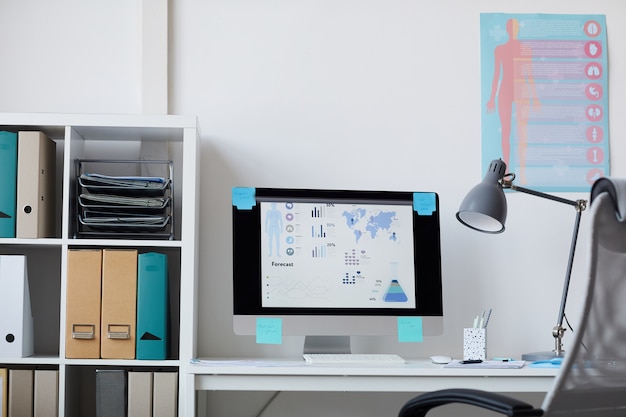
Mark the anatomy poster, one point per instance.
(545, 98)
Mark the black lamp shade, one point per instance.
(484, 207)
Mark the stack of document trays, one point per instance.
(124, 206)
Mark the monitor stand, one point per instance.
(326, 344)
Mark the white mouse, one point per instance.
(440, 359)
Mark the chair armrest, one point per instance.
(420, 405)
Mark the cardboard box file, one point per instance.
(4, 391)
(46, 393)
(20, 396)
(140, 394)
(82, 332)
(119, 302)
(165, 394)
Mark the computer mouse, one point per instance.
(441, 359)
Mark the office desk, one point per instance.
(415, 376)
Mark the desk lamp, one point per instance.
(484, 209)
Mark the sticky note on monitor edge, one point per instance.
(424, 204)
(269, 330)
(244, 198)
(410, 329)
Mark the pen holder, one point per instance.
(474, 343)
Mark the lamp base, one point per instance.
(542, 356)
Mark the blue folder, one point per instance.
(8, 183)
(152, 306)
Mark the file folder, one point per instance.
(82, 331)
(152, 303)
(20, 392)
(165, 394)
(36, 173)
(8, 182)
(4, 391)
(111, 392)
(119, 304)
(139, 394)
(16, 319)
(46, 393)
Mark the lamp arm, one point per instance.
(568, 273)
(577, 203)
(580, 206)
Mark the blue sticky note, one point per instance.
(269, 330)
(244, 197)
(410, 329)
(424, 204)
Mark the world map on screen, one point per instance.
(371, 222)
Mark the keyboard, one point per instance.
(353, 358)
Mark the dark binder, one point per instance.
(111, 393)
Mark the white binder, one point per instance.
(16, 319)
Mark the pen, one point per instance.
(487, 318)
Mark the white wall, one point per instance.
(70, 56)
(358, 94)
(374, 95)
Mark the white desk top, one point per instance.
(414, 376)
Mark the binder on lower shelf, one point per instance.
(20, 392)
(82, 332)
(152, 301)
(119, 304)
(111, 392)
(16, 319)
(8, 184)
(139, 394)
(4, 391)
(46, 393)
(165, 394)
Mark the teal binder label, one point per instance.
(410, 329)
(424, 204)
(244, 197)
(269, 331)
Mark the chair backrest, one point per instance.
(592, 381)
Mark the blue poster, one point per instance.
(545, 98)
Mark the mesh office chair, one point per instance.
(592, 378)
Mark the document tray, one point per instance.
(124, 185)
(113, 201)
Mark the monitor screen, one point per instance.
(336, 262)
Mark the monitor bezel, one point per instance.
(246, 222)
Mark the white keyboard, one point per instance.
(353, 358)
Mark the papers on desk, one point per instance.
(550, 363)
(487, 365)
(245, 362)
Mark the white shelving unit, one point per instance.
(110, 137)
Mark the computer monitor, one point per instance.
(336, 262)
